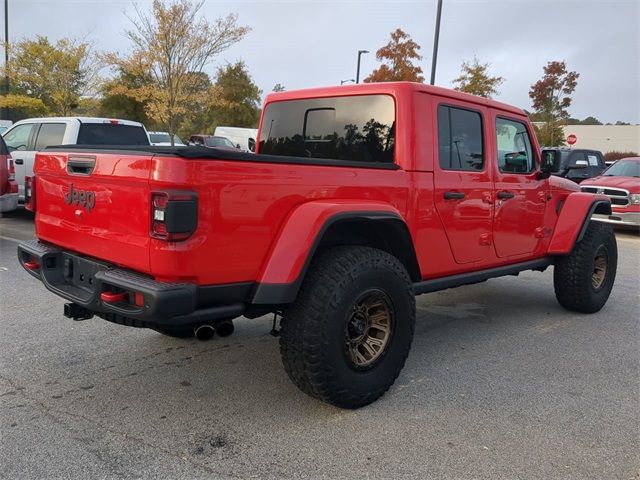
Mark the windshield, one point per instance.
(219, 142)
(624, 168)
(163, 137)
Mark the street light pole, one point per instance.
(435, 43)
(360, 52)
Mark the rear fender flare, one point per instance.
(282, 273)
(573, 220)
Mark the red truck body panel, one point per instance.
(258, 216)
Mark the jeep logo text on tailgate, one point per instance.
(82, 198)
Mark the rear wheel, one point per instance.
(583, 279)
(348, 334)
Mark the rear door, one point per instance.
(96, 204)
(463, 183)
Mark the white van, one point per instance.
(244, 138)
(26, 137)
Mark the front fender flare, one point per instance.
(574, 218)
(280, 276)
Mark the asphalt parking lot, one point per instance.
(501, 382)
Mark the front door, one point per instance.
(463, 185)
(520, 198)
(19, 140)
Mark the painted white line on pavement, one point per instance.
(11, 239)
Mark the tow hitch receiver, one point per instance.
(77, 312)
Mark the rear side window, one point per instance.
(50, 134)
(111, 134)
(515, 154)
(356, 129)
(460, 139)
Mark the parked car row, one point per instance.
(21, 141)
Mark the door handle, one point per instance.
(504, 195)
(454, 195)
(18, 161)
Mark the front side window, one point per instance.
(460, 139)
(358, 128)
(515, 154)
(17, 139)
(50, 134)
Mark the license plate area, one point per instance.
(80, 272)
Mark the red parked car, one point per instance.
(621, 183)
(357, 199)
(8, 185)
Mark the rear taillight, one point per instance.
(174, 215)
(12, 169)
(30, 193)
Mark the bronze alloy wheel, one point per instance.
(369, 328)
(599, 269)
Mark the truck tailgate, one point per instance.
(96, 204)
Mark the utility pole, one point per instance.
(435, 43)
(360, 52)
(5, 113)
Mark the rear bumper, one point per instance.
(629, 219)
(82, 281)
(8, 202)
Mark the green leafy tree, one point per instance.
(475, 79)
(551, 97)
(398, 57)
(170, 46)
(57, 75)
(237, 97)
(116, 104)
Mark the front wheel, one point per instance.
(347, 336)
(583, 279)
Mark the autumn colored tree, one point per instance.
(551, 96)
(475, 79)
(237, 98)
(120, 105)
(170, 45)
(397, 57)
(49, 78)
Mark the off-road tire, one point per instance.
(314, 328)
(575, 276)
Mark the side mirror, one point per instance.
(550, 161)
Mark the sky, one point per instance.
(307, 43)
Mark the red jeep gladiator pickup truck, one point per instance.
(357, 199)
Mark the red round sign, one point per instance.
(571, 139)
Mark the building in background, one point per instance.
(606, 138)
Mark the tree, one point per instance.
(278, 88)
(590, 121)
(116, 104)
(22, 106)
(57, 75)
(551, 96)
(171, 47)
(397, 57)
(475, 79)
(237, 99)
